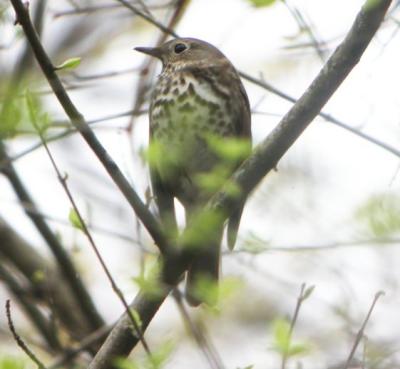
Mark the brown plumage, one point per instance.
(198, 102)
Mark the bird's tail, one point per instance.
(233, 225)
(203, 273)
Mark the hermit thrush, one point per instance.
(198, 106)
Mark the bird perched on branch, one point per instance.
(199, 134)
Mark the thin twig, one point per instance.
(316, 248)
(303, 26)
(148, 18)
(302, 296)
(85, 229)
(362, 329)
(212, 357)
(19, 340)
(93, 9)
(116, 73)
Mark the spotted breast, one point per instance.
(185, 112)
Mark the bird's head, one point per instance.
(184, 51)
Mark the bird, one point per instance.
(200, 132)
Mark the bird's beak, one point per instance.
(152, 51)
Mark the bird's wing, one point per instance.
(165, 203)
(163, 196)
(243, 130)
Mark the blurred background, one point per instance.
(329, 216)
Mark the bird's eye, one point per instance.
(179, 48)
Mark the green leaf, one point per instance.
(10, 362)
(71, 63)
(208, 290)
(32, 107)
(156, 360)
(12, 117)
(168, 159)
(298, 349)
(149, 281)
(281, 328)
(282, 340)
(123, 363)
(229, 287)
(75, 220)
(203, 229)
(39, 119)
(381, 214)
(254, 244)
(136, 317)
(232, 150)
(308, 292)
(38, 276)
(211, 182)
(261, 3)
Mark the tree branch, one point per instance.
(360, 333)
